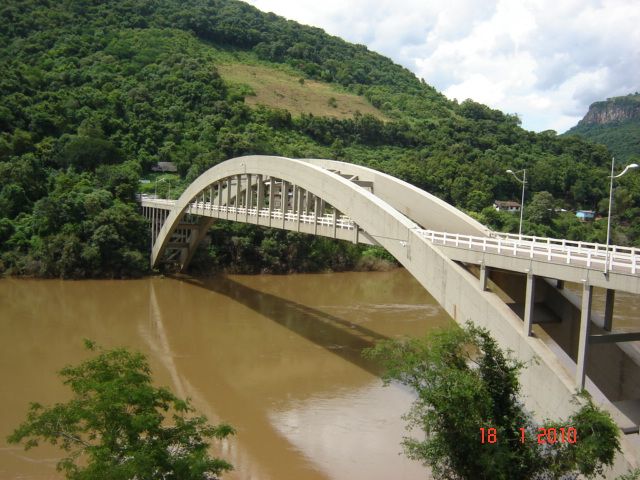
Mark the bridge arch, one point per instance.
(393, 214)
(376, 219)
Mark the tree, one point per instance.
(542, 208)
(464, 383)
(116, 426)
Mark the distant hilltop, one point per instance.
(613, 110)
(614, 122)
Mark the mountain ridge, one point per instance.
(614, 122)
(95, 93)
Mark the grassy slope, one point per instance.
(278, 89)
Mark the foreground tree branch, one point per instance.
(124, 426)
(467, 389)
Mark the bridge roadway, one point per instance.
(569, 260)
(503, 282)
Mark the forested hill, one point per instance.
(94, 93)
(615, 123)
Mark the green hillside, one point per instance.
(93, 93)
(614, 123)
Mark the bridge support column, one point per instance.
(484, 277)
(335, 221)
(154, 228)
(271, 197)
(294, 198)
(228, 196)
(195, 238)
(248, 198)
(284, 201)
(608, 309)
(316, 206)
(237, 199)
(583, 339)
(529, 303)
(299, 202)
(259, 197)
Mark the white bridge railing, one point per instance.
(341, 221)
(559, 251)
(581, 254)
(596, 247)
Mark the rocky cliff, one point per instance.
(613, 110)
(615, 123)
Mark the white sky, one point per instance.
(545, 60)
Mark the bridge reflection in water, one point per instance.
(512, 285)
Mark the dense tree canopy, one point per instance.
(94, 93)
(466, 389)
(119, 426)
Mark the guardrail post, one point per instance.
(529, 303)
(583, 341)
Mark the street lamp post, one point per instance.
(523, 182)
(611, 177)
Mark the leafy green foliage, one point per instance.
(105, 90)
(465, 382)
(116, 426)
(243, 248)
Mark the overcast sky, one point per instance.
(545, 60)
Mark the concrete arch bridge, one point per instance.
(513, 285)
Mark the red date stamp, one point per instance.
(545, 436)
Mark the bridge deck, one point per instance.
(561, 259)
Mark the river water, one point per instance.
(278, 357)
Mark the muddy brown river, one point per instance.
(278, 357)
